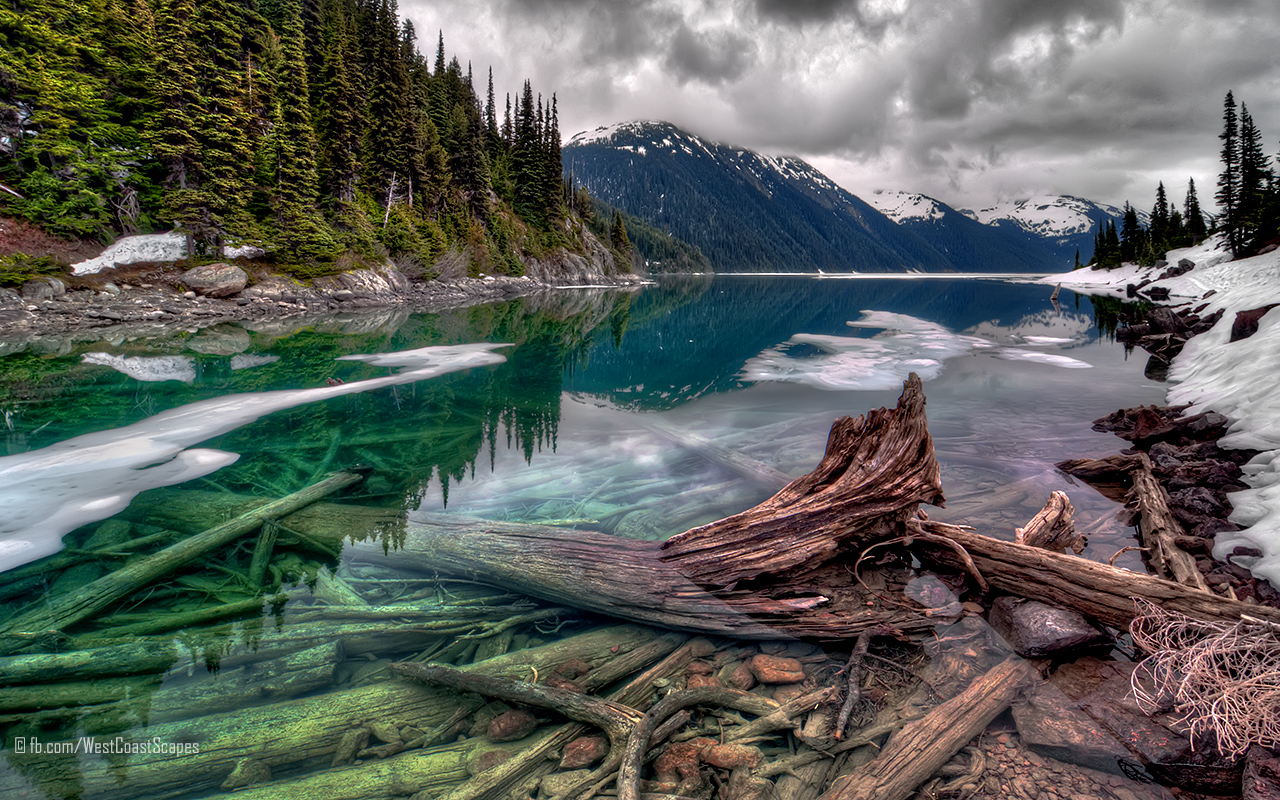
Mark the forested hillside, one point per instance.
(313, 128)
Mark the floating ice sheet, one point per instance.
(46, 493)
(882, 362)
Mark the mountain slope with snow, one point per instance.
(1064, 222)
(748, 212)
(968, 243)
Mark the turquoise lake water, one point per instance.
(567, 422)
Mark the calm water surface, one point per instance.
(575, 421)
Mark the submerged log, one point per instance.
(98, 595)
(293, 735)
(921, 747)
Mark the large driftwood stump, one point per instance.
(876, 471)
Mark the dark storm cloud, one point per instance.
(711, 57)
(969, 96)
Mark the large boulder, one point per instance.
(1036, 629)
(215, 280)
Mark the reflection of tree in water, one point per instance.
(437, 427)
(1109, 313)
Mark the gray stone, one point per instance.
(1186, 262)
(1050, 724)
(215, 280)
(247, 772)
(220, 340)
(1035, 629)
(38, 290)
(558, 783)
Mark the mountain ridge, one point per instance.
(749, 211)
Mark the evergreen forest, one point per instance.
(1248, 199)
(315, 129)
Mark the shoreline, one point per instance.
(139, 299)
(1211, 329)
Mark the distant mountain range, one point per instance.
(749, 212)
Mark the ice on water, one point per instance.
(882, 362)
(46, 493)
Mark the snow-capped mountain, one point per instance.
(1067, 223)
(970, 245)
(745, 210)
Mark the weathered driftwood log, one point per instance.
(1052, 528)
(1160, 529)
(295, 735)
(921, 747)
(98, 595)
(129, 658)
(1103, 592)
(876, 471)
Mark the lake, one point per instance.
(580, 418)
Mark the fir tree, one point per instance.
(1196, 228)
(1160, 229)
(338, 119)
(1228, 195)
(300, 230)
(1131, 238)
(1256, 178)
(618, 234)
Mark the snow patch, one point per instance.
(148, 368)
(46, 493)
(900, 206)
(882, 362)
(134, 249)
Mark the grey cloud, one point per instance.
(711, 57)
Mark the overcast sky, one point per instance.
(964, 100)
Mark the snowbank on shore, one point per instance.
(1238, 379)
(133, 249)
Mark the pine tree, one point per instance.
(1131, 238)
(1228, 195)
(618, 234)
(385, 154)
(1256, 178)
(339, 122)
(300, 230)
(1159, 228)
(553, 166)
(1196, 228)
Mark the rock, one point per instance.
(38, 290)
(1112, 704)
(776, 669)
(558, 681)
(787, 691)
(485, 760)
(111, 289)
(557, 783)
(511, 725)
(741, 678)
(215, 280)
(247, 772)
(1033, 628)
(224, 339)
(1186, 263)
(584, 751)
(1050, 724)
(731, 756)
(699, 668)
(343, 295)
(1197, 500)
(1244, 326)
(352, 742)
(386, 732)
(1261, 775)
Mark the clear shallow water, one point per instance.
(561, 431)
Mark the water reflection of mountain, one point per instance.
(667, 359)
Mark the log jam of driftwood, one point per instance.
(101, 593)
(917, 750)
(876, 471)
(1097, 590)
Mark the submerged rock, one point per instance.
(1033, 628)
